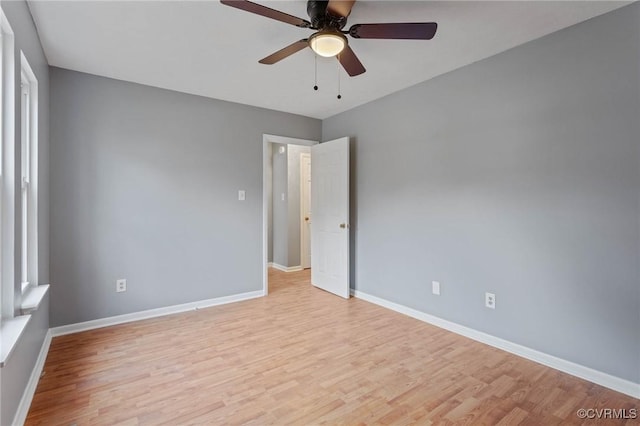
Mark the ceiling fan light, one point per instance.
(327, 44)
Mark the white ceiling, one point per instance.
(212, 50)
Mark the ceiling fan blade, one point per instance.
(340, 7)
(411, 31)
(350, 62)
(258, 9)
(283, 53)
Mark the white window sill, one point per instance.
(12, 328)
(10, 332)
(32, 297)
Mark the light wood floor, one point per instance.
(300, 356)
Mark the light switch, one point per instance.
(241, 195)
(282, 196)
(435, 287)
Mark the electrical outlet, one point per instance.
(435, 287)
(242, 195)
(121, 285)
(490, 300)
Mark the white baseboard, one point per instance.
(152, 313)
(32, 384)
(612, 382)
(286, 268)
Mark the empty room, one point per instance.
(319, 212)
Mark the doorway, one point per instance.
(275, 197)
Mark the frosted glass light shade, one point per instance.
(327, 44)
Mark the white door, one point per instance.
(330, 207)
(305, 210)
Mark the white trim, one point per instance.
(10, 331)
(32, 298)
(284, 140)
(32, 384)
(8, 286)
(152, 313)
(266, 184)
(612, 382)
(286, 268)
(29, 172)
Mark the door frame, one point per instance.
(303, 225)
(267, 140)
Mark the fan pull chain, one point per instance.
(339, 95)
(315, 57)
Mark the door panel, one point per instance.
(330, 207)
(305, 204)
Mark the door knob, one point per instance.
(344, 225)
(306, 218)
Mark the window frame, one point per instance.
(9, 297)
(2, 119)
(28, 174)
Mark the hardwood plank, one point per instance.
(300, 356)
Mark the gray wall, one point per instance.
(269, 190)
(144, 186)
(516, 175)
(16, 373)
(280, 221)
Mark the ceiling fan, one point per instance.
(328, 18)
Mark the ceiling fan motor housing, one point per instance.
(321, 19)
